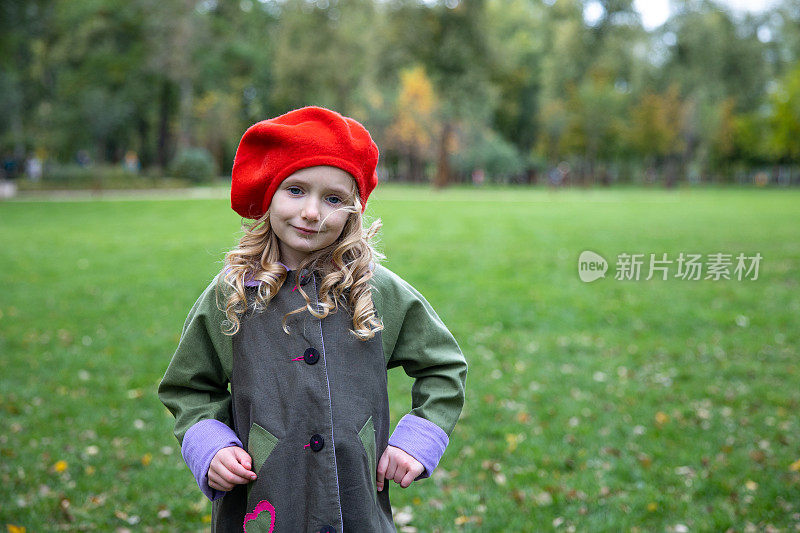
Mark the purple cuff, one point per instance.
(421, 439)
(200, 444)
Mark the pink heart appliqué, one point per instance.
(260, 518)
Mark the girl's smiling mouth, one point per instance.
(305, 231)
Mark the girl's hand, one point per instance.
(398, 465)
(230, 466)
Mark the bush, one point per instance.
(82, 176)
(72, 176)
(499, 158)
(194, 164)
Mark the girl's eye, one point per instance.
(294, 190)
(335, 200)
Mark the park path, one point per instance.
(121, 194)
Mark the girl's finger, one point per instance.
(381, 473)
(408, 479)
(243, 457)
(391, 468)
(235, 467)
(216, 482)
(232, 478)
(223, 475)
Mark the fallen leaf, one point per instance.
(404, 516)
(64, 504)
(758, 456)
(134, 394)
(610, 450)
(543, 499)
(645, 460)
(512, 439)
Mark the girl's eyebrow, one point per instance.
(339, 191)
(302, 182)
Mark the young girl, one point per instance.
(302, 323)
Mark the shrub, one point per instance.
(499, 158)
(194, 164)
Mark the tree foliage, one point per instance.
(508, 86)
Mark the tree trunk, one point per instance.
(443, 166)
(162, 150)
(17, 127)
(415, 167)
(185, 136)
(145, 156)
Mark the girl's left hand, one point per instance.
(398, 465)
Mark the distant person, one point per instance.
(131, 162)
(478, 177)
(33, 168)
(303, 323)
(564, 170)
(82, 158)
(554, 177)
(10, 166)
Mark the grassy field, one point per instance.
(606, 406)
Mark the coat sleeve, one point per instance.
(195, 387)
(415, 338)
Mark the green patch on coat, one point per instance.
(367, 436)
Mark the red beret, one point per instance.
(273, 149)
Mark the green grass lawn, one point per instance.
(605, 406)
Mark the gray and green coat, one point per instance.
(310, 406)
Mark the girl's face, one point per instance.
(306, 212)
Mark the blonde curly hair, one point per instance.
(345, 267)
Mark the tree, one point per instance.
(656, 125)
(785, 117)
(457, 56)
(414, 123)
(325, 55)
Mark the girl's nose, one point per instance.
(310, 209)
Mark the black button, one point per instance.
(327, 529)
(316, 442)
(311, 356)
(304, 276)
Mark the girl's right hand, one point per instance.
(230, 466)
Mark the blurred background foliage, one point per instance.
(501, 90)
